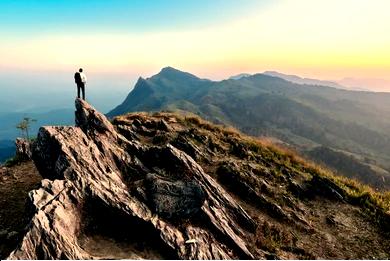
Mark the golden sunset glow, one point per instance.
(324, 39)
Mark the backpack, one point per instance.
(77, 77)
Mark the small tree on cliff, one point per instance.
(24, 126)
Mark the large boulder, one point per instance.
(174, 199)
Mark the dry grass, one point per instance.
(15, 183)
(357, 192)
(272, 236)
(221, 129)
(130, 116)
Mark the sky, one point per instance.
(324, 39)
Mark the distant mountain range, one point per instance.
(346, 83)
(378, 85)
(307, 81)
(321, 122)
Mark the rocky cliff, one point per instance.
(165, 186)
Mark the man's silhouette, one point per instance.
(80, 80)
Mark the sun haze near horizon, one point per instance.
(214, 39)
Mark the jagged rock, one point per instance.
(331, 220)
(93, 165)
(326, 188)
(23, 149)
(187, 146)
(174, 199)
(163, 125)
(191, 241)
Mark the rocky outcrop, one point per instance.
(165, 186)
(156, 188)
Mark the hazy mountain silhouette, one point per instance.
(378, 85)
(300, 80)
(10, 120)
(351, 122)
(342, 84)
(239, 76)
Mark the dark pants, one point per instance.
(82, 87)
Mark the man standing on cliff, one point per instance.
(81, 80)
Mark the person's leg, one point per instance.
(78, 91)
(83, 89)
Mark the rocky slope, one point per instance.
(15, 183)
(164, 186)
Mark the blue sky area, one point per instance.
(47, 16)
(43, 42)
(23, 21)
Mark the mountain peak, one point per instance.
(239, 76)
(170, 72)
(169, 69)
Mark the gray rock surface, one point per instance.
(99, 184)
